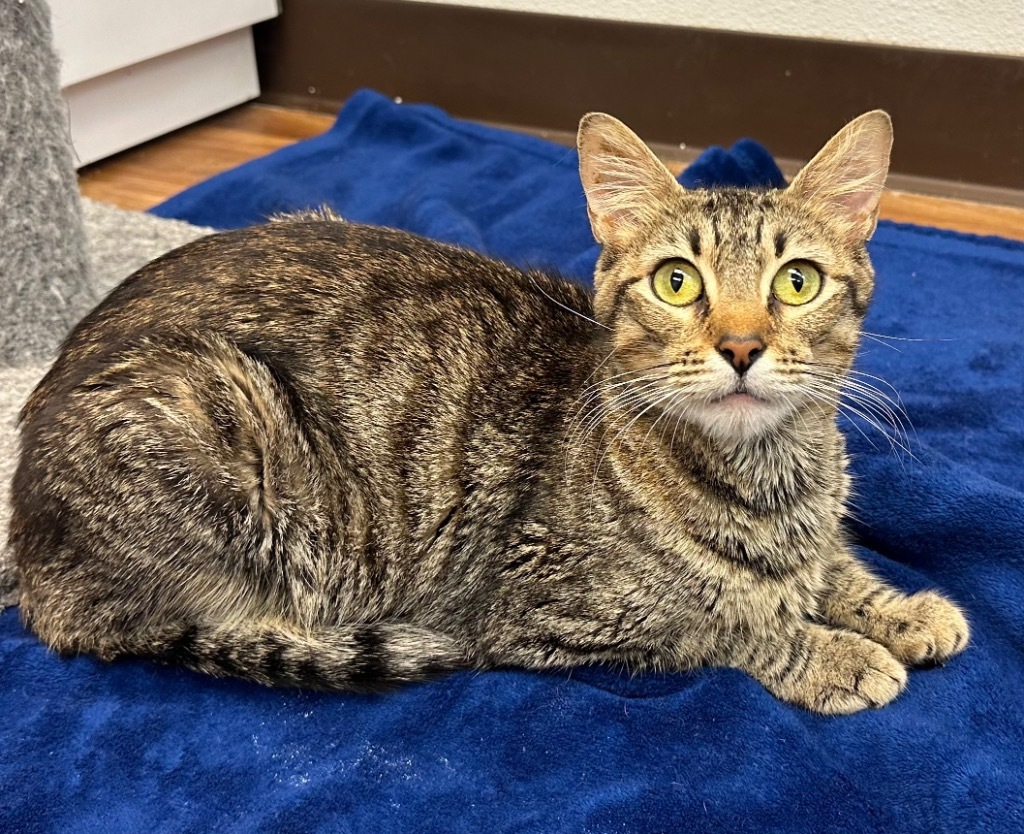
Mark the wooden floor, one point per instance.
(144, 176)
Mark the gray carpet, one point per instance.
(118, 242)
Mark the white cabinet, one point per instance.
(134, 69)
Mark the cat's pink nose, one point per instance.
(740, 351)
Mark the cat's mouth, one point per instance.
(739, 414)
(740, 398)
(740, 395)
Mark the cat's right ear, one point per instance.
(625, 183)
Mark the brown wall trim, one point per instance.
(958, 117)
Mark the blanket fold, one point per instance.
(130, 746)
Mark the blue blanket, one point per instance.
(88, 747)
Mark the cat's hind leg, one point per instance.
(174, 503)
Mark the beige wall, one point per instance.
(993, 27)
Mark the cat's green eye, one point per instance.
(677, 282)
(796, 283)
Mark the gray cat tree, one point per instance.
(58, 254)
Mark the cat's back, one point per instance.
(275, 277)
(316, 297)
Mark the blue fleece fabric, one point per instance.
(88, 747)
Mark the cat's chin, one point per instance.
(737, 417)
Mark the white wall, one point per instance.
(984, 26)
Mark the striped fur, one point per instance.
(327, 455)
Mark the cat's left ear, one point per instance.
(625, 183)
(846, 178)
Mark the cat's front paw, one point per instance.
(843, 672)
(924, 628)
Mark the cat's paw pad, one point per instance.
(848, 673)
(927, 628)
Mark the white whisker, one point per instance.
(858, 399)
(566, 307)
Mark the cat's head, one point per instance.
(734, 308)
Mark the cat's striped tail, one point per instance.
(358, 657)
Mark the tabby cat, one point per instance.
(326, 455)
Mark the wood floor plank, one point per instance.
(957, 215)
(144, 176)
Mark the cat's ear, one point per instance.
(846, 177)
(625, 183)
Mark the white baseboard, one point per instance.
(123, 108)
